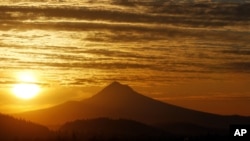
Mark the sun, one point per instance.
(26, 91)
(27, 88)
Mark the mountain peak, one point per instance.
(115, 89)
(115, 83)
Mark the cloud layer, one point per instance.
(168, 50)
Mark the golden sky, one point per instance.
(186, 57)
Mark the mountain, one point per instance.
(121, 129)
(121, 101)
(16, 129)
(108, 128)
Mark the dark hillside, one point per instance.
(16, 129)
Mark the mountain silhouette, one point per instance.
(120, 101)
(16, 129)
(109, 127)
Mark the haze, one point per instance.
(191, 55)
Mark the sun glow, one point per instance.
(27, 87)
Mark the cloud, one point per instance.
(113, 65)
(178, 14)
(209, 97)
(168, 40)
(237, 52)
(239, 66)
(121, 54)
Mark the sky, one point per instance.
(196, 56)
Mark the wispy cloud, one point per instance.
(182, 41)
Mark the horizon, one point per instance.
(112, 91)
(186, 54)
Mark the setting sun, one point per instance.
(27, 88)
(26, 91)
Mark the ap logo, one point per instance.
(240, 132)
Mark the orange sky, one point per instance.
(173, 53)
(201, 97)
